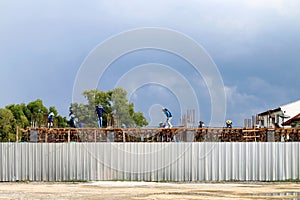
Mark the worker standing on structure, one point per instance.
(229, 123)
(72, 121)
(201, 124)
(50, 120)
(169, 118)
(99, 111)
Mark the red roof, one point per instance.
(288, 122)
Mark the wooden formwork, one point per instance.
(55, 135)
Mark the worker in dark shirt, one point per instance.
(228, 123)
(99, 111)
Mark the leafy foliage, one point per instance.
(21, 116)
(115, 102)
(18, 112)
(38, 112)
(121, 107)
(7, 122)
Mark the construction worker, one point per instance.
(201, 124)
(169, 118)
(99, 111)
(229, 123)
(72, 121)
(50, 120)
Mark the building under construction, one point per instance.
(179, 134)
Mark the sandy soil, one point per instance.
(149, 190)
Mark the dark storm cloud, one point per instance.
(255, 45)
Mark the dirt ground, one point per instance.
(149, 190)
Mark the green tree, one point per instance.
(84, 114)
(138, 117)
(38, 112)
(26, 112)
(120, 106)
(53, 109)
(19, 115)
(115, 102)
(125, 110)
(35, 114)
(61, 121)
(7, 130)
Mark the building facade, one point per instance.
(278, 117)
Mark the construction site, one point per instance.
(186, 132)
(178, 134)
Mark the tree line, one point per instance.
(34, 114)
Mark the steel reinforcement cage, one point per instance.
(59, 135)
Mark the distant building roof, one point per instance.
(290, 109)
(270, 111)
(295, 118)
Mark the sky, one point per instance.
(254, 45)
